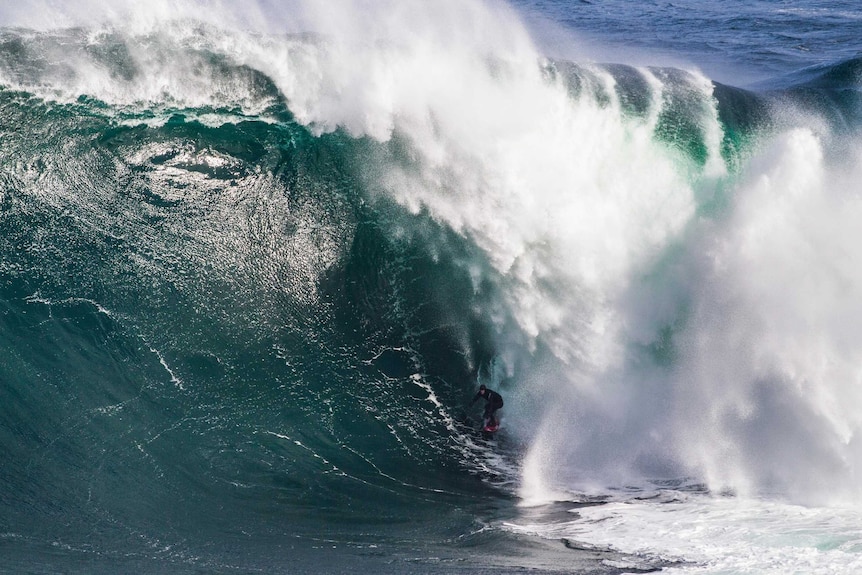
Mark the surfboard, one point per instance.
(491, 428)
(468, 426)
(488, 431)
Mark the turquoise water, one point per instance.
(255, 261)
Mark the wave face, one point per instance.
(250, 280)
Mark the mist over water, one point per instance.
(360, 209)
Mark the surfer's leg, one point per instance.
(489, 415)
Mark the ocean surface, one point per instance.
(255, 259)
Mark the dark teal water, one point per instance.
(200, 355)
(227, 348)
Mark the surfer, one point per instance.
(493, 402)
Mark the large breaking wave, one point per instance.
(264, 263)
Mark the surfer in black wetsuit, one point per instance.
(493, 402)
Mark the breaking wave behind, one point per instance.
(254, 264)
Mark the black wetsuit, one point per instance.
(493, 402)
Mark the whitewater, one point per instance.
(255, 260)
